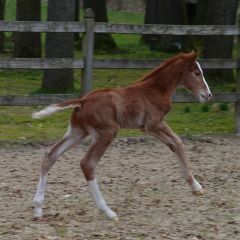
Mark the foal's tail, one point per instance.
(57, 107)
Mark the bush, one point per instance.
(224, 107)
(186, 109)
(205, 108)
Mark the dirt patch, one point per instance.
(141, 181)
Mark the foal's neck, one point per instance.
(165, 79)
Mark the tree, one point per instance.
(167, 12)
(201, 12)
(27, 44)
(173, 12)
(76, 18)
(2, 10)
(102, 40)
(191, 7)
(151, 17)
(59, 45)
(220, 13)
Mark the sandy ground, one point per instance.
(141, 181)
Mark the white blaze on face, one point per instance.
(208, 93)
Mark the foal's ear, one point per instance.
(190, 59)
(192, 56)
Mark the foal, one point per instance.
(141, 105)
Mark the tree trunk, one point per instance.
(166, 12)
(27, 44)
(76, 18)
(151, 18)
(59, 45)
(220, 13)
(201, 12)
(102, 41)
(173, 12)
(2, 11)
(191, 11)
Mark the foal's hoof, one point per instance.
(111, 214)
(115, 218)
(38, 212)
(198, 193)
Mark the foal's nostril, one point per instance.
(209, 96)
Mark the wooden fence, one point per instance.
(88, 27)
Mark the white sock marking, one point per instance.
(196, 186)
(99, 200)
(39, 196)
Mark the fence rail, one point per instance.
(88, 27)
(168, 29)
(43, 99)
(31, 26)
(55, 63)
(26, 26)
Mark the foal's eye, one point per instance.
(197, 73)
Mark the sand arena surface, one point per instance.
(140, 180)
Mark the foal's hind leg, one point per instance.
(70, 138)
(101, 140)
(166, 135)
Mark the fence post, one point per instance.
(87, 49)
(237, 104)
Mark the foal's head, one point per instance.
(193, 79)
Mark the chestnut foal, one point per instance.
(141, 105)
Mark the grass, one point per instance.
(199, 122)
(17, 124)
(187, 119)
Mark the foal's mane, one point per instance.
(162, 66)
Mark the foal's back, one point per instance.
(122, 107)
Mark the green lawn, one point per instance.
(16, 122)
(187, 119)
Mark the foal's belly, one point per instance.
(131, 120)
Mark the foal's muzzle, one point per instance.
(205, 97)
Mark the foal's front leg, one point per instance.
(162, 132)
